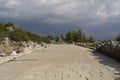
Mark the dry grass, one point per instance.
(7, 49)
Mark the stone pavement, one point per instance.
(61, 62)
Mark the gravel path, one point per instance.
(61, 62)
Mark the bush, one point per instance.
(77, 36)
(19, 34)
(118, 38)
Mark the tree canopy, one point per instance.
(118, 38)
(76, 36)
(18, 34)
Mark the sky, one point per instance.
(99, 18)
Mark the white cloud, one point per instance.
(94, 15)
(11, 3)
(61, 11)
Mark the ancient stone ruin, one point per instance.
(109, 48)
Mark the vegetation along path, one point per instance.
(61, 62)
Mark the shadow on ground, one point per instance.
(105, 60)
(25, 60)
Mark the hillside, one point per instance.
(16, 39)
(17, 34)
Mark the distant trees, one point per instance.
(80, 35)
(1, 24)
(62, 37)
(56, 38)
(50, 37)
(76, 36)
(3, 32)
(9, 24)
(91, 39)
(118, 38)
(18, 34)
(69, 37)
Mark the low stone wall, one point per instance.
(15, 55)
(109, 48)
(87, 45)
(24, 49)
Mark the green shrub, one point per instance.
(118, 38)
(19, 34)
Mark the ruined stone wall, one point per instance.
(109, 48)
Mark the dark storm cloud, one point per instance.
(95, 14)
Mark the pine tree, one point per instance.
(91, 39)
(118, 38)
(62, 37)
(69, 37)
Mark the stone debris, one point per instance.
(10, 28)
(109, 48)
(61, 62)
(43, 44)
(6, 41)
(20, 50)
(81, 44)
(13, 53)
(2, 54)
(24, 47)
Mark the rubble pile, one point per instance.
(10, 49)
(109, 48)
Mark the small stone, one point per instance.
(13, 53)
(2, 54)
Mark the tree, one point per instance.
(79, 35)
(50, 37)
(1, 24)
(69, 37)
(75, 36)
(56, 39)
(118, 38)
(91, 39)
(9, 24)
(19, 35)
(62, 37)
(3, 32)
(84, 38)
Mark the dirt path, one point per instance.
(61, 62)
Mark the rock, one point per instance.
(30, 47)
(20, 50)
(116, 72)
(6, 41)
(44, 44)
(109, 48)
(2, 54)
(24, 44)
(10, 28)
(13, 53)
